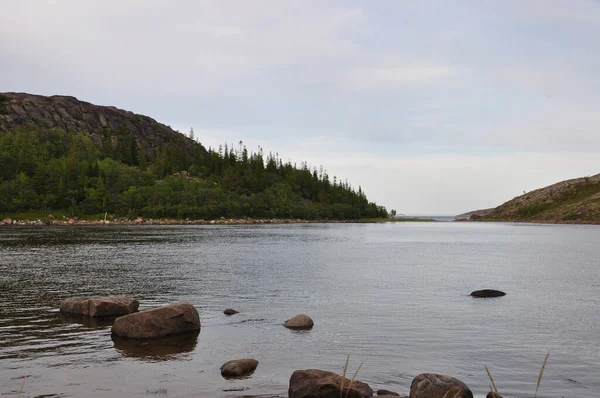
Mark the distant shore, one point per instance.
(75, 221)
(562, 222)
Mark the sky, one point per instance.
(432, 107)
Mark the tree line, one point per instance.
(90, 174)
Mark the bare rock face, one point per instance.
(100, 306)
(72, 115)
(486, 293)
(314, 383)
(158, 322)
(238, 367)
(300, 322)
(430, 385)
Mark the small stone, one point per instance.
(485, 293)
(230, 311)
(388, 393)
(300, 322)
(238, 367)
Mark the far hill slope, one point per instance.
(100, 122)
(481, 212)
(576, 200)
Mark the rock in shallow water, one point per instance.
(230, 311)
(158, 322)
(100, 306)
(387, 393)
(314, 383)
(238, 367)
(430, 385)
(301, 322)
(485, 293)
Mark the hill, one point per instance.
(62, 155)
(570, 201)
(475, 213)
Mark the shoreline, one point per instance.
(74, 221)
(549, 222)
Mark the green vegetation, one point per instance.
(532, 210)
(76, 174)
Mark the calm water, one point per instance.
(392, 295)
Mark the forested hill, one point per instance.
(570, 201)
(62, 155)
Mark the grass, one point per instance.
(344, 377)
(539, 379)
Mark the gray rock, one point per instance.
(158, 322)
(100, 306)
(314, 383)
(430, 385)
(239, 367)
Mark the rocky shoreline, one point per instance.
(74, 221)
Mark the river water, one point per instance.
(395, 296)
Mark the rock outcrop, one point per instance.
(239, 367)
(100, 306)
(314, 383)
(430, 385)
(299, 322)
(72, 115)
(158, 322)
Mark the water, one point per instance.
(395, 296)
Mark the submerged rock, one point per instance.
(230, 311)
(100, 306)
(238, 367)
(387, 393)
(485, 293)
(158, 322)
(301, 322)
(430, 385)
(314, 383)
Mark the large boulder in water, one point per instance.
(485, 293)
(301, 322)
(314, 383)
(430, 385)
(238, 367)
(100, 306)
(158, 322)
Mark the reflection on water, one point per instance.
(395, 296)
(160, 349)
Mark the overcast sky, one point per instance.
(433, 107)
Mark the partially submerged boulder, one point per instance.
(485, 293)
(314, 383)
(158, 322)
(100, 306)
(430, 385)
(300, 322)
(230, 311)
(387, 393)
(238, 367)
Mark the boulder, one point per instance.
(230, 311)
(485, 293)
(158, 322)
(492, 394)
(301, 322)
(314, 383)
(238, 367)
(430, 385)
(387, 393)
(100, 306)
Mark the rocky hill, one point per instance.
(75, 116)
(570, 201)
(476, 213)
